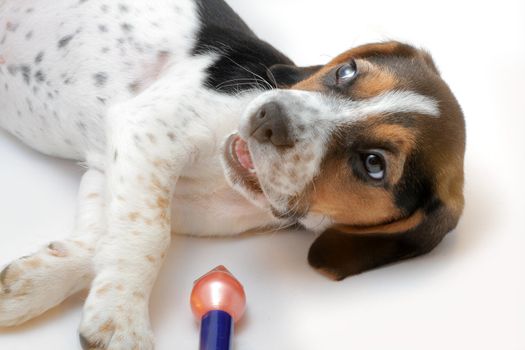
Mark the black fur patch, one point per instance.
(244, 58)
(286, 76)
(415, 188)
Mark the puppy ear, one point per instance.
(284, 76)
(344, 251)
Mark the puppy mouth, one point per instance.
(239, 160)
(241, 171)
(241, 153)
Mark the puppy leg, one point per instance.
(33, 284)
(144, 159)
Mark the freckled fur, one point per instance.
(206, 115)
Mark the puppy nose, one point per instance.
(270, 124)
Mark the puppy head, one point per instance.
(368, 148)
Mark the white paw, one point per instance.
(115, 319)
(15, 307)
(31, 285)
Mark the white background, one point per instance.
(469, 293)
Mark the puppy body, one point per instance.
(121, 88)
(61, 90)
(165, 103)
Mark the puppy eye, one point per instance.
(374, 165)
(346, 72)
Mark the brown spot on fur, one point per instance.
(107, 327)
(157, 186)
(151, 258)
(103, 289)
(33, 263)
(119, 287)
(93, 195)
(133, 216)
(139, 295)
(162, 202)
(171, 136)
(164, 217)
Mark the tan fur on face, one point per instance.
(404, 138)
(373, 81)
(405, 141)
(347, 200)
(351, 201)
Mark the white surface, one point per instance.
(469, 293)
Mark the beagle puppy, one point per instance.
(187, 123)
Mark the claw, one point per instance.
(3, 274)
(86, 344)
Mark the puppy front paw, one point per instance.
(33, 284)
(115, 319)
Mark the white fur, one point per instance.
(391, 102)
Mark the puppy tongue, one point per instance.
(243, 154)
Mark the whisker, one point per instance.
(238, 80)
(249, 71)
(237, 85)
